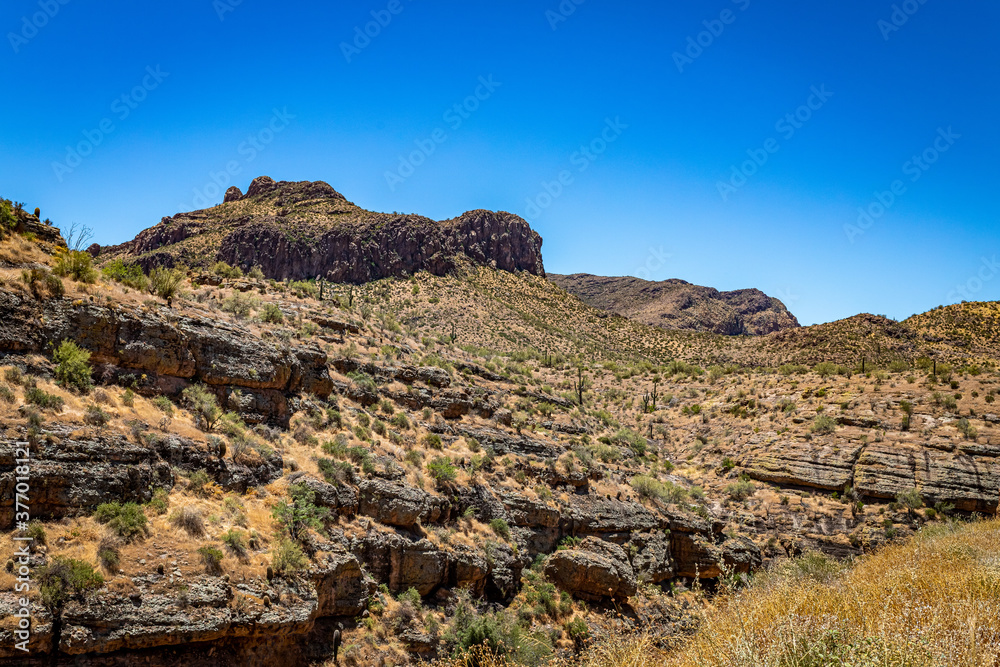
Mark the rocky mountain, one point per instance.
(676, 304)
(307, 229)
(430, 462)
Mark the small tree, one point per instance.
(73, 369)
(911, 500)
(907, 409)
(204, 405)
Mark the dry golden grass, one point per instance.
(934, 601)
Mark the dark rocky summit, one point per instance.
(307, 229)
(676, 304)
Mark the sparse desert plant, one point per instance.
(127, 521)
(130, 275)
(73, 369)
(62, 579)
(166, 283)
(75, 264)
(287, 556)
(203, 405)
(271, 314)
(190, 519)
(212, 557)
(824, 425)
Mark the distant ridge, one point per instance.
(679, 305)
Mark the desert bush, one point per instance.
(73, 369)
(166, 283)
(62, 579)
(95, 416)
(189, 518)
(239, 304)
(740, 490)
(824, 425)
(500, 527)
(42, 282)
(652, 488)
(442, 470)
(226, 271)
(203, 405)
(109, 553)
(212, 558)
(287, 556)
(302, 513)
(127, 520)
(130, 275)
(75, 264)
(432, 440)
(271, 314)
(44, 400)
(966, 429)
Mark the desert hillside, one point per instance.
(476, 465)
(676, 304)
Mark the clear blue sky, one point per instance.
(556, 85)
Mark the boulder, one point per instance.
(594, 570)
(400, 504)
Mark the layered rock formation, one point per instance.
(156, 352)
(307, 229)
(676, 304)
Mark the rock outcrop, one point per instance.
(159, 352)
(307, 229)
(676, 304)
(594, 570)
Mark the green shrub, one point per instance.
(160, 502)
(966, 428)
(73, 369)
(7, 395)
(236, 541)
(163, 404)
(633, 440)
(287, 556)
(36, 531)
(651, 488)
(224, 270)
(203, 405)
(500, 527)
(38, 278)
(128, 521)
(271, 314)
(44, 400)
(400, 421)
(75, 264)
(824, 425)
(910, 499)
(212, 558)
(166, 283)
(740, 490)
(412, 596)
(130, 275)
(336, 472)
(442, 470)
(302, 513)
(432, 440)
(238, 304)
(65, 578)
(95, 416)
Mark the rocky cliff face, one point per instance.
(675, 304)
(158, 352)
(307, 229)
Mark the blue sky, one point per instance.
(661, 129)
